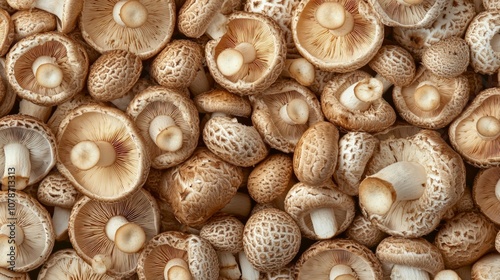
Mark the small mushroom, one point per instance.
(487, 267)
(364, 232)
(448, 57)
(29, 22)
(196, 18)
(483, 40)
(223, 102)
(224, 232)
(408, 13)
(486, 193)
(300, 70)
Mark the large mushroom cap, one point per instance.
(408, 14)
(487, 267)
(482, 38)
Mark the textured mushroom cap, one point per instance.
(317, 261)
(176, 65)
(487, 267)
(87, 229)
(481, 38)
(113, 74)
(464, 204)
(337, 54)
(396, 13)
(453, 92)
(29, 22)
(6, 31)
(394, 64)
(448, 57)
(101, 31)
(377, 117)
(271, 239)
(57, 190)
(483, 193)
(302, 199)
(321, 79)
(196, 251)
(157, 100)
(364, 232)
(465, 238)
(270, 178)
(266, 37)
(444, 185)
(222, 101)
(414, 252)
(464, 138)
(101, 123)
(224, 232)
(70, 57)
(265, 116)
(200, 186)
(195, 16)
(234, 142)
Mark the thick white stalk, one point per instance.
(130, 13)
(101, 263)
(176, 269)
(31, 109)
(47, 72)
(386, 84)
(488, 127)
(402, 272)
(342, 272)
(295, 112)
(427, 96)
(334, 16)
(60, 220)
(228, 266)
(127, 236)
(300, 70)
(165, 133)
(88, 154)
(17, 166)
(324, 223)
(360, 95)
(248, 272)
(217, 27)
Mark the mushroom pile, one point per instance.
(249, 139)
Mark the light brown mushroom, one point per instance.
(39, 112)
(408, 13)
(364, 232)
(486, 193)
(223, 102)
(29, 22)
(300, 70)
(487, 267)
(448, 57)
(196, 18)
(483, 40)
(6, 32)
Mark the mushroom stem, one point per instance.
(410, 2)
(402, 180)
(407, 272)
(386, 84)
(60, 220)
(248, 272)
(101, 263)
(360, 95)
(17, 166)
(495, 43)
(334, 16)
(87, 154)
(324, 222)
(300, 70)
(54, 7)
(342, 272)
(295, 112)
(217, 26)
(13, 231)
(7, 251)
(31, 109)
(177, 269)
(200, 84)
(231, 60)
(488, 127)
(130, 13)
(427, 97)
(228, 266)
(47, 72)
(165, 133)
(497, 189)
(239, 206)
(128, 237)
(447, 274)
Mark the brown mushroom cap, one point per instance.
(448, 57)
(224, 232)
(483, 44)
(364, 232)
(29, 22)
(487, 267)
(57, 190)
(485, 195)
(406, 14)
(6, 31)
(222, 101)
(394, 64)
(194, 17)
(7, 94)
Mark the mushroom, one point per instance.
(431, 101)
(47, 68)
(338, 259)
(6, 32)
(196, 18)
(448, 57)
(364, 232)
(111, 235)
(300, 70)
(239, 206)
(337, 36)
(29, 22)
(11, 275)
(486, 193)
(39, 112)
(102, 153)
(140, 27)
(222, 102)
(475, 133)
(28, 151)
(487, 267)
(168, 121)
(408, 13)
(447, 274)
(483, 40)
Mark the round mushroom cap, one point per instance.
(484, 194)
(6, 31)
(103, 33)
(482, 39)
(395, 64)
(69, 56)
(100, 123)
(364, 232)
(225, 233)
(487, 267)
(448, 57)
(29, 22)
(223, 101)
(194, 17)
(57, 190)
(317, 261)
(401, 14)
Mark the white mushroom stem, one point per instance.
(342, 272)
(165, 133)
(447, 274)
(403, 272)
(427, 96)
(248, 272)
(60, 220)
(360, 95)
(402, 180)
(231, 60)
(239, 206)
(130, 13)
(495, 43)
(228, 266)
(47, 72)
(217, 27)
(14, 231)
(386, 84)
(8, 252)
(101, 263)
(410, 2)
(55, 7)
(324, 222)
(122, 102)
(295, 112)
(334, 16)
(488, 127)
(31, 109)
(200, 84)
(300, 70)
(128, 237)
(17, 166)
(177, 269)
(87, 154)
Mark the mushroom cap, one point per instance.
(101, 31)
(29, 22)
(224, 232)
(195, 16)
(464, 138)
(448, 57)
(57, 190)
(379, 116)
(158, 100)
(414, 252)
(113, 74)
(396, 13)
(271, 239)
(7, 94)
(317, 261)
(453, 92)
(265, 116)
(87, 228)
(223, 101)
(70, 57)
(364, 232)
(481, 38)
(487, 267)
(302, 199)
(100, 123)
(6, 32)
(395, 64)
(337, 54)
(34, 135)
(483, 193)
(11, 275)
(465, 238)
(266, 37)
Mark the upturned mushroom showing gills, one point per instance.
(408, 13)
(337, 36)
(102, 153)
(486, 193)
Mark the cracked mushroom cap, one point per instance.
(192, 256)
(334, 258)
(140, 27)
(486, 193)
(224, 232)
(250, 56)
(475, 133)
(448, 57)
(364, 232)
(333, 44)
(408, 13)
(223, 101)
(168, 122)
(29, 22)
(25, 223)
(431, 101)
(57, 190)
(6, 32)
(102, 153)
(47, 68)
(393, 64)
(110, 235)
(487, 267)
(398, 254)
(283, 112)
(482, 38)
